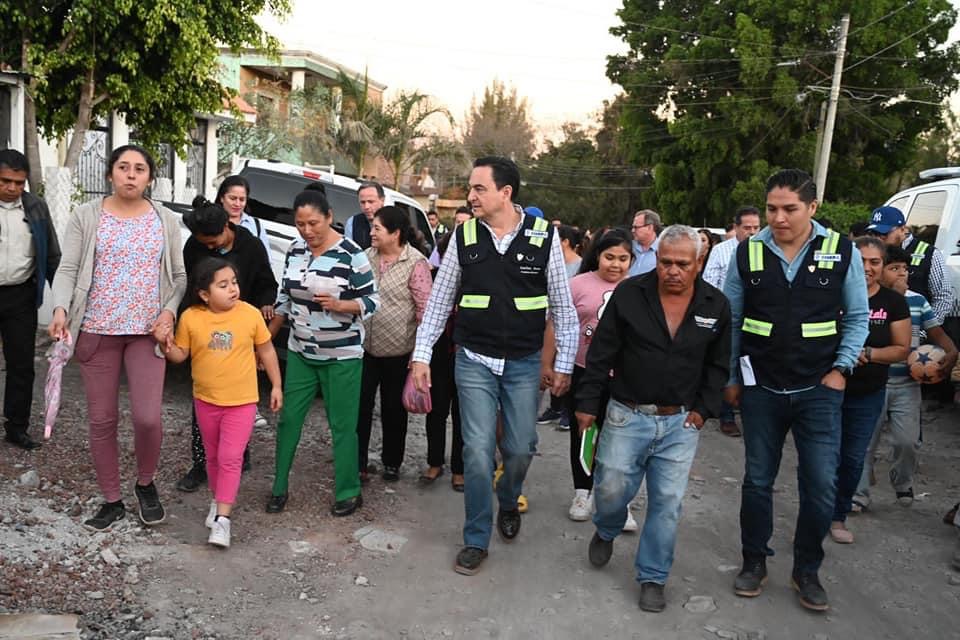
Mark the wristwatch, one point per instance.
(846, 372)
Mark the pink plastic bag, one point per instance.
(414, 401)
(57, 355)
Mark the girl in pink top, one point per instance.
(606, 264)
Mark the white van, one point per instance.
(933, 209)
(274, 185)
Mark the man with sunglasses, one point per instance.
(646, 229)
(928, 268)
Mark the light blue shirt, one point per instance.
(854, 324)
(348, 228)
(644, 260)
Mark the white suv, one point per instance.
(936, 205)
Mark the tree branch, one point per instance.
(100, 98)
(67, 41)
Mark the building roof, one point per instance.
(295, 59)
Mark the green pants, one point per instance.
(339, 381)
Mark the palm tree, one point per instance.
(358, 119)
(400, 127)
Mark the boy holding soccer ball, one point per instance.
(902, 407)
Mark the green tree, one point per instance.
(401, 130)
(155, 62)
(358, 119)
(499, 124)
(720, 94)
(573, 181)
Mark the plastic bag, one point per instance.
(415, 401)
(57, 355)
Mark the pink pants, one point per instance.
(101, 359)
(225, 432)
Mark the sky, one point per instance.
(553, 51)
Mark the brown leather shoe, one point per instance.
(730, 429)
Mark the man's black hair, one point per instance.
(505, 173)
(796, 180)
(747, 210)
(14, 160)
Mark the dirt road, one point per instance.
(387, 572)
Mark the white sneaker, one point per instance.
(259, 421)
(630, 525)
(211, 515)
(220, 532)
(582, 506)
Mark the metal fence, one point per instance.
(92, 165)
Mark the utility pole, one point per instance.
(823, 162)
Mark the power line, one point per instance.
(903, 39)
(882, 18)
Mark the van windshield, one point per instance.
(272, 195)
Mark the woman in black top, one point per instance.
(213, 235)
(888, 342)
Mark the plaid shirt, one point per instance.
(443, 296)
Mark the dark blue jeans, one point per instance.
(814, 417)
(860, 415)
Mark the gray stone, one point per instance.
(361, 581)
(379, 540)
(95, 595)
(30, 479)
(110, 557)
(300, 546)
(700, 604)
(954, 580)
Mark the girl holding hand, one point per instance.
(223, 337)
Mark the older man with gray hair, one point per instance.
(645, 229)
(666, 337)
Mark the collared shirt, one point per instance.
(651, 367)
(644, 260)
(941, 287)
(715, 272)
(853, 325)
(922, 319)
(447, 283)
(16, 244)
(256, 227)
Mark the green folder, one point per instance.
(588, 447)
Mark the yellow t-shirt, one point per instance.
(223, 361)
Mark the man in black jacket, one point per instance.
(371, 196)
(29, 256)
(665, 336)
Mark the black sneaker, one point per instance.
(108, 513)
(390, 474)
(600, 550)
(469, 560)
(246, 461)
(276, 504)
(651, 597)
(151, 511)
(192, 479)
(812, 595)
(905, 498)
(508, 524)
(548, 416)
(749, 582)
(346, 507)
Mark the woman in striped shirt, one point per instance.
(327, 290)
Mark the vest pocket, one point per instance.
(471, 301)
(530, 304)
(818, 329)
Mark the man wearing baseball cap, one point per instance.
(927, 267)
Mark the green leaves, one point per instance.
(736, 87)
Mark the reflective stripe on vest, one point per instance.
(471, 301)
(829, 246)
(541, 226)
(755, 254)
(531, 304)
(818, 329)
(757, 327)
(470, 232)
(919, 254)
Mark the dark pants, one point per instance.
(860, 415)
(388, 374)
(18, 330)
(443, 396)
(814, 418)
(580, 478)
(944, 390)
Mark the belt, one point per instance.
(654, 409)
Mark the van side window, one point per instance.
(927, 209)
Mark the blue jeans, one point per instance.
(860, 415)
(633, 445)
(901, 407)
(814, 418)
(482, 394)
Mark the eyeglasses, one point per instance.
(640, 226)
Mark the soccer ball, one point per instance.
(924, 363)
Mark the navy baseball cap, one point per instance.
(883, 220)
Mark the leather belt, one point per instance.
(654, 409)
